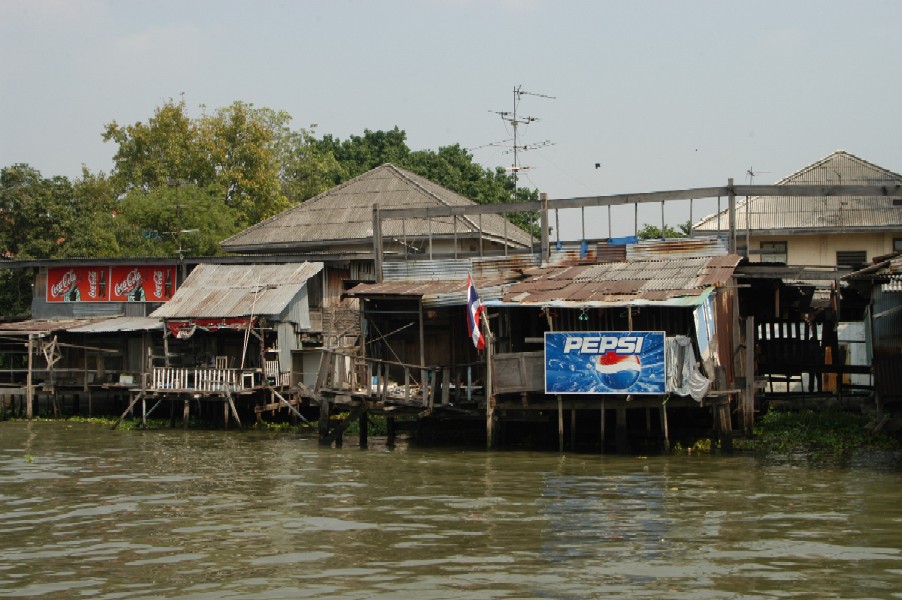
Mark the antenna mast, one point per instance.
(515, 122)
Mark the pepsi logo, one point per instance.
(618, 371)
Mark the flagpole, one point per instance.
(489, 394)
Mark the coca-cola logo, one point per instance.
(127, 285)
(158, 284)
(65, 284)
(92, 284)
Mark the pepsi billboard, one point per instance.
(604, 362)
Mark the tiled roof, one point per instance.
(345, 214)
(775, 214)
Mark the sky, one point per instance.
(631, 97)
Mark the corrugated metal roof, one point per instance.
(677, 248)
(501, 268)
(213, 291)
(680, 282)
(773, 214)
(118, 324)
(345, 214)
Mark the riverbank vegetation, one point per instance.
(818, 433)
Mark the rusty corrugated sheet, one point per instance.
(213, 291)
(682, 282)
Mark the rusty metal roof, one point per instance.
(213, 291)
(776, 214)
(345, 214)
(680, 282)
(432, 293)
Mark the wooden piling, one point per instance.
(621, 437)
(363, 425)
(324, 408)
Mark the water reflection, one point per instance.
(85, 512)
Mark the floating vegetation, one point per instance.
(828, 433)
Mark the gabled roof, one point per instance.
(679, 282)
(345, 214)
(792, 214)
(221, 291)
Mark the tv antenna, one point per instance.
(515, 121)
(752, 173)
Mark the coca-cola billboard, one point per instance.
(110, 284)
(142, 284)
(78, 284)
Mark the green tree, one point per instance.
(173, 220)
(164, 150)
(453, 167)
(92, 223)
(308, 168)
(34, 213)
(652, 232)
(236, 151)
(246, 146)
(358, 154)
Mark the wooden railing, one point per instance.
(210, 379)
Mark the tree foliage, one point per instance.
(183, 184)
(653, 232)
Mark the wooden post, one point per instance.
(572, 429)
(323, 420)
(560, 423)
(489, 388)
(665, 428)
(601, 436)
(546, 248)
(748, 403)
(29, 390)
(186, 410)
(377, 242)
(732, 217)
(364, 424)
(621, 437)
(390, 432)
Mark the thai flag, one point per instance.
(474, 313)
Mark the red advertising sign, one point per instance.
(142, 284)
(78, 284)
(110, 284)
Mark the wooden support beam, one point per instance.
(337, 432)
(131, 405)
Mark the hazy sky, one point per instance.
(664, 95)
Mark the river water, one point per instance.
(86, 512)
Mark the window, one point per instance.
(897, 244)
(773, 252)
(852, 259)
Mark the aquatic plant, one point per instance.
(820, 433)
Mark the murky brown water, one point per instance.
(90, 513)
